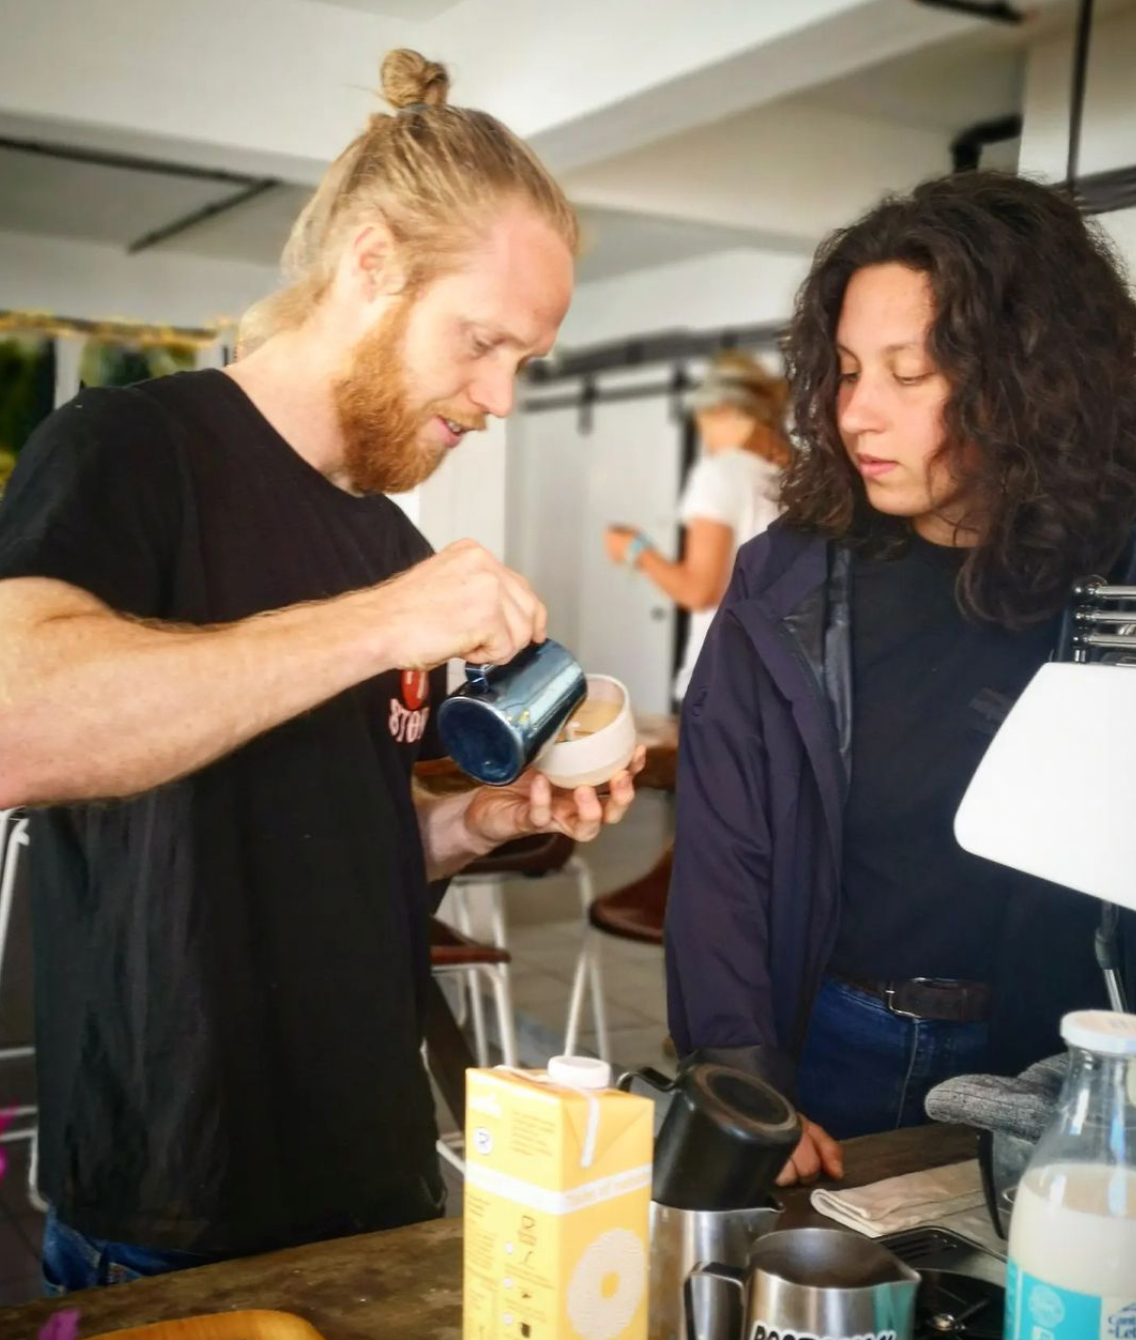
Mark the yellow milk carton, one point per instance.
(557, 1203)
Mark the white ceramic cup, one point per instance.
(595, 758)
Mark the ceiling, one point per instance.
(941, 90)
(117, 206)
(953, 84)
(408, 11)
(615, 242)
(60, 198)
(946, 87)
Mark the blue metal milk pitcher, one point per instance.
(496, 724)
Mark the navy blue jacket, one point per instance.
(765, 756)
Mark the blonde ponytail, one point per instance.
(431, 172)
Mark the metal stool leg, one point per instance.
(502, 977)
(477, 1007)
(599, 1008)
(13, 839)
(456, 895)
(472, 984)
(502, 986)
(589, 971)
(33, 1176)
(451, 1149)
(576, 1000)
(499, 977)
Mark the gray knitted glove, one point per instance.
(1021, 1107)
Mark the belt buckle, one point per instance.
(892, 1008)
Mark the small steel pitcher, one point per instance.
(683, 1240)
(814, 1282)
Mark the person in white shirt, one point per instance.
(730, 496)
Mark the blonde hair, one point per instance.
(744, 382)
(431, 172)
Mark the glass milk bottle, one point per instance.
(1072, 1268)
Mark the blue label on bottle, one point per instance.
(1037, 1310)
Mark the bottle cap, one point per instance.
(1102, 1031)
(579, 1072)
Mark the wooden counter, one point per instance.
(404, 1285)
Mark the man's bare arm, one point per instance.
(94, 705)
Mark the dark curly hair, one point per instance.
(1035, 331)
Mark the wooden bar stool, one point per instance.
(638, 911)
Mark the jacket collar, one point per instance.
(798, 623)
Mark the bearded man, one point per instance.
(219, 652)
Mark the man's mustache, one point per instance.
(472, 423)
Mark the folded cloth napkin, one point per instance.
(1023, 1106)
(948, 1197)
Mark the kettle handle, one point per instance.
(654, 1079)
(711, 1276)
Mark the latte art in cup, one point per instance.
(596, 742)
(591, 716)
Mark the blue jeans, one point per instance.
(71, 1260)
(865, 1069)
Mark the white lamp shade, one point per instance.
(1055, 795)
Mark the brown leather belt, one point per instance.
(929, 998)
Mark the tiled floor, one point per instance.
(545, 927)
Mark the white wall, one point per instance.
(552, 527)
(1108, 136)
(465, 499)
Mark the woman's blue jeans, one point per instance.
(865, 1069)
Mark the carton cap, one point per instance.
(579, 1072)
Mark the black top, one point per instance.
(231, 969)
(930, 688)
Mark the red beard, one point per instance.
(386, 445)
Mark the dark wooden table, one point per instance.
(404, 1285)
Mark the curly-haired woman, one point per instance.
(963, 364)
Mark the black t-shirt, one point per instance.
(930, 688)
(231, 970)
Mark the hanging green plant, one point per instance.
(27, 393)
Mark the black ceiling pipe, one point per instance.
(967, 146)
(664, 347)
(998, 12)
(1106, 192)
(196, 216)
(72, 153)
(1077, 96)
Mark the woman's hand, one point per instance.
(817, 1152)
(616, 541)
